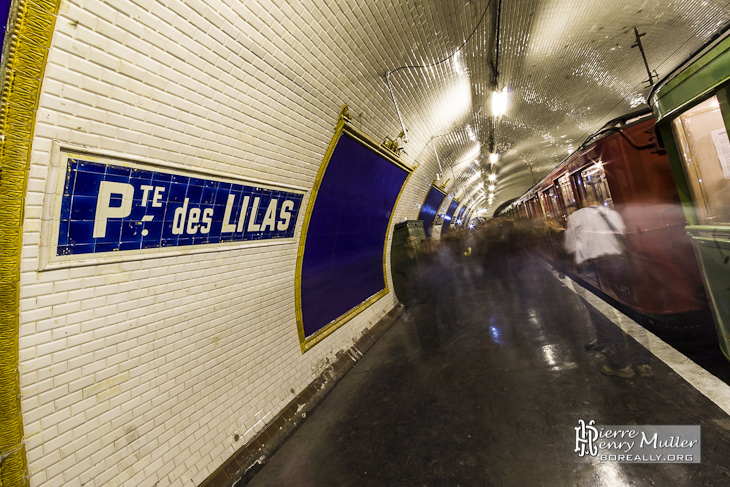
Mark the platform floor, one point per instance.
(492, 398)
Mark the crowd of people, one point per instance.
(439, 272)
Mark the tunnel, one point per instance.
(378, 243)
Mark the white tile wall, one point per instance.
(139, 373)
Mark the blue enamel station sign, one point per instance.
(111, 207)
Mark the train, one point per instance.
(623, 168)
(692, 109)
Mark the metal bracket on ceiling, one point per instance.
(397, 108)
(395, 145)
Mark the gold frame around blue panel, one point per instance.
(343, 126)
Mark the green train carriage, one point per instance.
(692, 108)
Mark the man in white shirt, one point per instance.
(594, 231)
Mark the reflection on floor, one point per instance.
(486, 387)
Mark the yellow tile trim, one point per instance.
(25, 52)
(440, 190)
(343, 126)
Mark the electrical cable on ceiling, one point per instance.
(425, 66)
(496, 55)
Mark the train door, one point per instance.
(567, 194)
(553, 215)
(704, 149)
(550, 204)
(592, 190)
(535, 209)
(613, 274)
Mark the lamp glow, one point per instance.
(493, 158)
(500, 102)
(492, 177)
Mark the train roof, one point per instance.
(703, 71)
(610, 127)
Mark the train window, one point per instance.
(705, 148)
(550, 203)
(593, 186)
(566, 191)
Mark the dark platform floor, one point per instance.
(493, 400)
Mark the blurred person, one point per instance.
(445, 279)
(662, 255)
(593, 232)
(421, 297)
(595, 238)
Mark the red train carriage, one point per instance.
(622, 168)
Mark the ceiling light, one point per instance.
(500, 102)
(492, 177)
(493, 158)
(492, 187)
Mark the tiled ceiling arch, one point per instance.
(568, 66)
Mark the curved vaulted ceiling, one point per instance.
(567, 67)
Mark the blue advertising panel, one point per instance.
(460, 218)
(342, 254)
(430, 208)
(4, 15)
(449, 216)
(112, 206)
